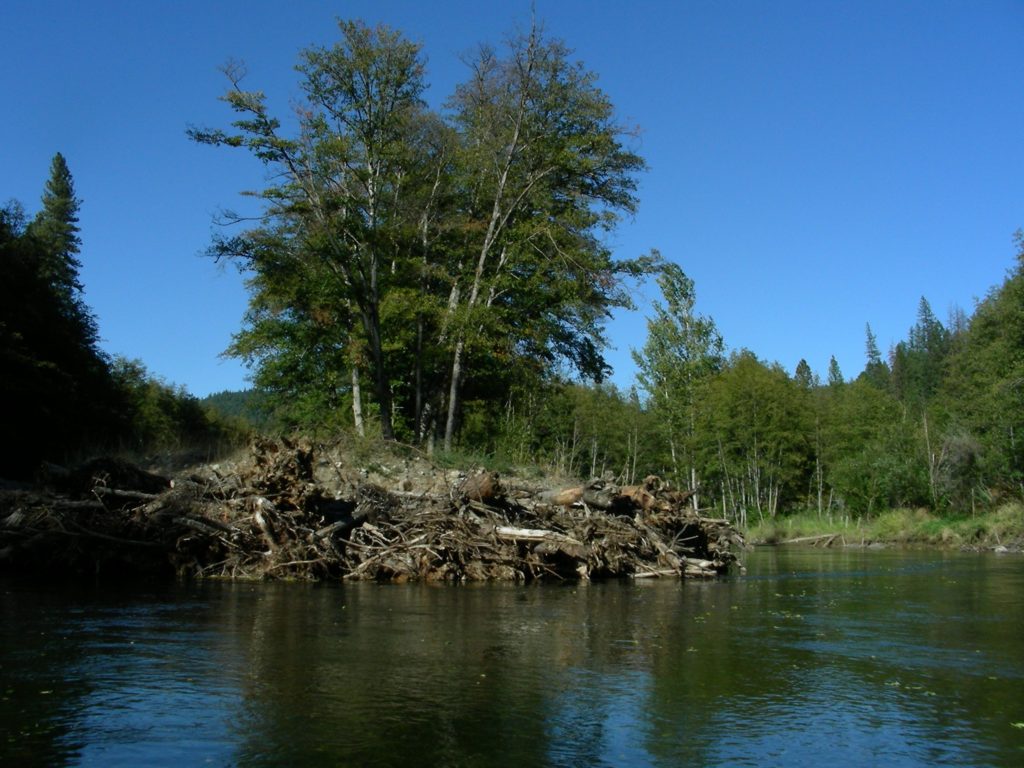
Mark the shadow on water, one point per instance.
(885, 658)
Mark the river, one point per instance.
(847, 657)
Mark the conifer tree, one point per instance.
(55, 230)
(803, 375)
(56, 227)
(876, 372)
(835, 375)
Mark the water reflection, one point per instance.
(859, 657)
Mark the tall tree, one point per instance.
(803, 375)
(56, 230)
(340, 192)
(55, 391)
(918, 363)
(545, 171)
(683, 351)
(835, 375)
(875, 371)
(56, 227)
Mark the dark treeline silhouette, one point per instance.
(61, 396)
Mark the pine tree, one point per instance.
(835, 376)
(876, 372)
(55, 230)
(803, 375)
(918, 363)
(56, 227)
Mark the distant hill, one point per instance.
(243, 405)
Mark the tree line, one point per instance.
(935, 425)
(61, 396)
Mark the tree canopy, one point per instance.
(432, 250)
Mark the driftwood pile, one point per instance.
(269, 517)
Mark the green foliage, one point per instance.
(754, 438)
(918, 364)
(835, 375)
(435, 253)
(683, 352)
(875, 371)
(1001, 526)
(245, 407)
(158, 417)
(983, 385)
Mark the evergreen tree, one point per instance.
(918, 363)
(56, 227)
(56, 230)
(875, 372)
(835, 375)
(55, 391)
(803, 375)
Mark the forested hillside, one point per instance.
(61, 396)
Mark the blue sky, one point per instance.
(814, 166)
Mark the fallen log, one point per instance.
(810, 539)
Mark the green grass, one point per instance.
(1003, 526)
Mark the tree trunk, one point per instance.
(381, 383)
(453, 394)
(357, 403)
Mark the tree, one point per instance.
(338, 208)
(875, 372)
(55, 390)
(804, 376)
(434, 249)
(918, 363)
(544, 171)
(835, 375)
(753, 446)
(683, 351)
(56, 228)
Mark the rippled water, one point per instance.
(815, 657)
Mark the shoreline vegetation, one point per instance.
(1000, 529)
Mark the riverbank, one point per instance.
(1001, 529)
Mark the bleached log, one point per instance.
(509, 533)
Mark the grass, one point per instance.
(1002, 526)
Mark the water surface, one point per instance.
(847, 657)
